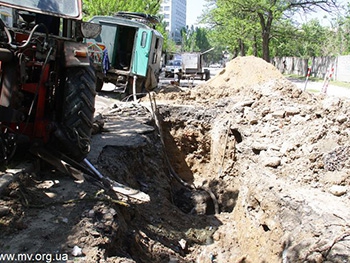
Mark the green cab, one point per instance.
(127, 52)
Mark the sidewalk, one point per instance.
(314, 87)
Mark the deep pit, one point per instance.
(176, 212)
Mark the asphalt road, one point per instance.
(189, 82)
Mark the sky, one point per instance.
(194, 9)
(324, 17)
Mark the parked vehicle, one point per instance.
(127, 52)
(193, 65)
(172, 67)
(47, 90)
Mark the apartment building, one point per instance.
(174, 13)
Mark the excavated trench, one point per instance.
(188, 138)
(172, 163)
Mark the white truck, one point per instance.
(193, 66)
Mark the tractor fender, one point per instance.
(76, 54)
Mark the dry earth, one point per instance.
(243, 168)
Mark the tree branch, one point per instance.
(307, 6)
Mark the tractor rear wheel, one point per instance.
(78, 112)
(99, 84)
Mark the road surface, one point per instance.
(332, 90)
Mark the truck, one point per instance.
(172, 67)
(193, 66)
(127, 52)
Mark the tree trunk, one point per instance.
(265, 33)
(265, 46)
(255, 46)
(235, 53)
(241, 47)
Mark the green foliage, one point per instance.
(238, 28)
(264, 27)
(194, 39)
(161, 28)
(314, 37)
(285, 39)
(247, 20)
(107, 7)
(311, 40)
(341, 36)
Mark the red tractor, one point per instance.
(47, 82)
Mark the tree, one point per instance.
(108, 7)
(194, 39)
(168, 44)
(188, 35)
(247, 14)
(309, 40)
(238, 32)
(339, 41)
(314, 39)
(286, 39)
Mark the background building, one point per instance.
(174, 13)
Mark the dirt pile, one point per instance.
(240, 76)
(281, 151)
(244, 72)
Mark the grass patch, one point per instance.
(340, 83)
(302, 78)
(314, 79)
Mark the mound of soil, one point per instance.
(240, 75)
